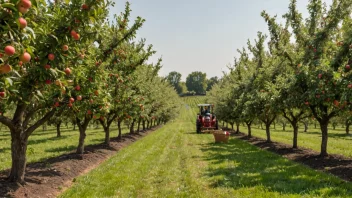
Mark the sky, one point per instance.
(201, 35)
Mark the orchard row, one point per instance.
(64, 60)
(302, 72)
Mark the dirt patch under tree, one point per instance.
(51, 177)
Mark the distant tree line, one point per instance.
(196, 83)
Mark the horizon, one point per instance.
(202, 35)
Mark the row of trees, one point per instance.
(63, 59)
(196, 82)
(303, 71)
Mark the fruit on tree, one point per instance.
(64, 47)
(24, 6)
(25, 57)
(69, 104)
(23, 22)
(72, 100)
(96, 92)
(2, 94)
(79, 98)
(77, 88)
(320, 75)
(51, 57)
(348, 67)
(85, 7)
(9, 50)
(349, 86)
(5, 69)
(67, 71)
(48, 82)
(47, 66)
(89, 112)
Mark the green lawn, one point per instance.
(44, 144)
(174, 161)
(338, 143)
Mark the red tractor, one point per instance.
(206, 120)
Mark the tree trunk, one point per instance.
(249, 129)
(132, 126)
(74, 127)
(315, 125)
(107, 135)
(237, 127)
(267, 130)
(274, 125)
(119, 128)
(231, 125)
(347, 124)
(295, 135)
(58, 132)
(143, 125)
(284, 126)
(261, 125)
(148, 124)
(82, 137)
(333, 126)
(82, 127)
(305, 126)
(324, 138)
(18, 155)
(138, 125)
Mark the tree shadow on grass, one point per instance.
(239, 165)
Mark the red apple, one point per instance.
(5, 69)
(81, 56)
(77, 88)
(64, 47)
(79, 98)
(25, 4)
(307, 103)
(2, 94)
(348, 67)
(69, 104)
(25, 57)
(57, 104)
(72, 100)
(67, 71)
(89, 112)
(47, 66)
(51, 57)
(84, 7)
(9, 50)
(336, 103)
(349, 86)
(48, 82)
(21, 9)
(23, 22)
(320, 75)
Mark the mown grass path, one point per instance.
(176, 162)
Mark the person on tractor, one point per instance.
(206, 110)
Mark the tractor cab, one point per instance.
(206, 120)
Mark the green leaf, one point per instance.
(8, 81)
(9, 5)
(40, 94)
(337, 75)
(54, 37)
(31, 30)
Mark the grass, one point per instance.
(338, 142)
(174, 161)
(44, 144)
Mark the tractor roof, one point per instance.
(204, 105)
